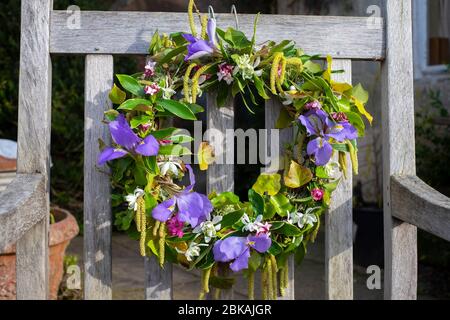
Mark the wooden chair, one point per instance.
(24, 205)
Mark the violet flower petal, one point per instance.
(163, 210)
(193, 208)
(109, 154)
(260, 243)
(211, 30)
(122, 134)
(241, 262)
(148, 147)
(321, 149)
(229, 249)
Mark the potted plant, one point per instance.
(63, 228)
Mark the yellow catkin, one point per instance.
(141, 224)
(206, 275)
(296, 62)
(282, 283)
(162, 243)
(353, 157)
(186, 79)
(204, 21)
(138, 220)
(274, 71)
(343, 163)
(316, 230)
(274, 275)
(283, 70)
(156, 228)
(286, 274)
(191, 18)
(251, 285)
(264, 289)
(195, 79)
(217, 294)
(269, 279)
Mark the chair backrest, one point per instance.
(102, 35)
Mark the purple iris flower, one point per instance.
(127, 141)
(318, 124)
(198, 47)
(238, 249)
(193, 207)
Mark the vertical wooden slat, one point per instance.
(220, 176)
(97, 195)
(338, 224)
(158, 282)
(34, 140)
(272, 113)
(400, 239)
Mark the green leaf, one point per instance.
(130, 84)
(289, 230)
(281, 204)
(275, 249)
(359, 93)
(270, 183)
(116, 95)
(237, 39)
(259, 85)
(174, 150)
(300, 253)
(195, 108)
(340, 147)
(356, 120)
(132, 104)
(231, 218)
(313, 67)
(254, 262)
(177, 108)
(111, 114)
(321, 173)
(137, 121)
(163, 133)
(224, 199)
(181, 138)
(173, 53)
(151, 164)
(256, 201)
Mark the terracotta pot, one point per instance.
(61, 232)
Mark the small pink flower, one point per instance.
(317, 194)
(145, 127)
(152, 89)
(225, 73)
(280, 70)
(149, 69)
(339, 117)
(175, 226)
(165, 142)
(263, 228)
(313, 105)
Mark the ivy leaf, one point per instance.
(297, 176)
(177, 108)
(269, 183)
(116, 95)
(130, 84)
(256, 201)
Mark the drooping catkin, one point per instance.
(274, 71)
(141, 223)
(353, 157)
(286, 274)
(282, 283)
(282, 74)
(217, 293)
(251, 285)
(264, 289)
(274, 276)
(195, 80)
(186, 79)
(162, 243)
(191, 18)
(343, 163)
(156, 228)
(204, 21)
(315, 231)
(270, 279)
(206, 276)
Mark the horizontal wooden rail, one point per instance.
(21, 207)
(119, 32)
(415, 202)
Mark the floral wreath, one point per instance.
(177, 224)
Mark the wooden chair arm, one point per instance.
(415, 202)
(21, 207)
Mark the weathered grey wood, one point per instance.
(339, 224)
(158, 282)
(272, 112)
(415, 202)
(400, 239)
(130, 32)
(34, 141)
(97, 206)
(220, 175)
(22, 205)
